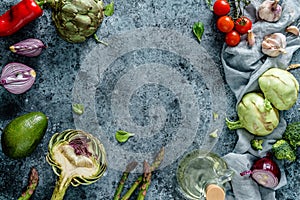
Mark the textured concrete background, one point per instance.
(57, 68)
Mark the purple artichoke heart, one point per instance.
(17, 78)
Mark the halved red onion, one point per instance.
(17, 78)
(30, 47)
(265, 172)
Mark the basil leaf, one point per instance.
(109, 9)
(198, 29)
(209, 5)
(123, 136)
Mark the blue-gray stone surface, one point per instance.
(161, 80)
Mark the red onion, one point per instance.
(265, 172)
(30, 47)
(17, 78)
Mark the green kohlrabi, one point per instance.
(256, 115)
(280, 87)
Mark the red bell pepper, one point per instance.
(18, 16)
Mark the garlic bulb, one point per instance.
(273, 45)
(270, 11)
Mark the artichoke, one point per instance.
(77, 158)
(256, 115)
(280, 87)
(76, 20)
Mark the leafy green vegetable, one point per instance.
(78, 108)
(292, 134)
(109, 9)
(198, 29)
(123, 136)
(209, 4)
(283, 151)
(256, 144)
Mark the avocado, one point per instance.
(22, 135)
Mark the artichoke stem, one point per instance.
(234, 125)
(61, 187)
(40, 3)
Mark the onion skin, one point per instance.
(265, 172)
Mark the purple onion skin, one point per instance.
(17, 78)
(30, 47)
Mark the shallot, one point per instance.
(270, 11)
(30, 47)
(265, 172)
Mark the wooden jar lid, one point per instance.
(214, 192)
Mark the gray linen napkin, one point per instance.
(242, 67)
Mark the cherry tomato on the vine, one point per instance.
(232, 38)
(225, 24)
(221, 7)
(243, 25)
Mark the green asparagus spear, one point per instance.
(32, 184)
(124, 177)
(146, 181)
(128, 194)
(157, 161)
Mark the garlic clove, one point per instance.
(251, 38)
(273, 42)
(293, 29)
(270, 11)
(266, 45)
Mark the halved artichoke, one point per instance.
(77, 158)
(76, 20)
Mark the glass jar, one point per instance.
(202, 174)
